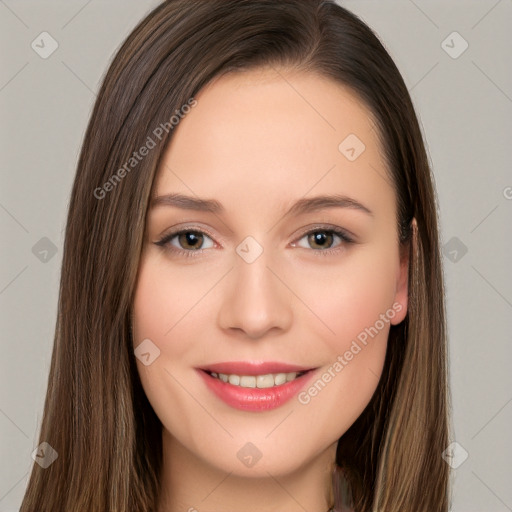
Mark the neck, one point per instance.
(191, 484)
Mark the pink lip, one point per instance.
(255, 399)
(254, 368)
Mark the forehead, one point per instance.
(267, 136)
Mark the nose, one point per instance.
(255, 301)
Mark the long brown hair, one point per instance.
(96, 416)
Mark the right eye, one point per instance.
(185, 241)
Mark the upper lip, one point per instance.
(254, 368)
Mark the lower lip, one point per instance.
(255, 399)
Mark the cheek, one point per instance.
(165, 304)
(354, 301)
(350, 296)
(171, 308)
(163, 311)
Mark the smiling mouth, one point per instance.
(268, 380)
(254, 385)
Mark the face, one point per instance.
(265, 282)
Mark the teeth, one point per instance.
(234, 379)
(257, 381)
(280, 378)
(266, 381)
(247, 381)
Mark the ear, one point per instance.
(401, 302)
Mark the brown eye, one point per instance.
(186, 241)
(190, 240)
(320, 239)
(323, 240)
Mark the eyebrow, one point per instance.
(302, 206)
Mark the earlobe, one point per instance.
(402, 283)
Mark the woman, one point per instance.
(251, 311)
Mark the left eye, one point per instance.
(322, 239)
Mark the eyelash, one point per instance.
(163, 242)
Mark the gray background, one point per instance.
(465, 106)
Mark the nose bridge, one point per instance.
(255, 301)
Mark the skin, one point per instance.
(257, 142)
